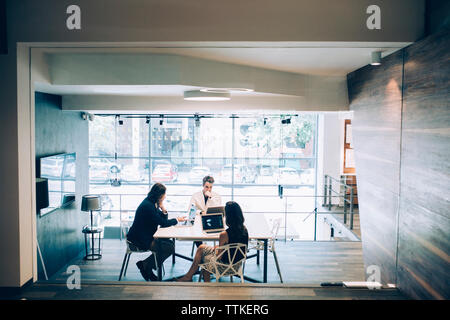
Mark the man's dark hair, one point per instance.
(208, 179)
(156, 192)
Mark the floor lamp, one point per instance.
(91, 203)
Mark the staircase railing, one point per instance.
(327, 196)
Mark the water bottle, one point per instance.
(192, 213)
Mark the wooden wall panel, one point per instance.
(424, 217)
(375, 98)
(401, 130)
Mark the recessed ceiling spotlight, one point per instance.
(376, 58)
(198, 95)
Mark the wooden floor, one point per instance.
(202, 291)
(304, 265)
(309, 263)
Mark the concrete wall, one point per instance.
(59, 232)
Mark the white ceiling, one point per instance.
(330, 61)
(130, 90)
(319, 59)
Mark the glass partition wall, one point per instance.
(265, 163)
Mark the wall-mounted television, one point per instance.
(60, 171)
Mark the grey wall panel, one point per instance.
(424, 246)
(59, 232)
(378, 217)
(423, 252)
(402, 147)
(375, 97)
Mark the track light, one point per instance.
(265, 121)
(161, 121)
(147, 121)
(376, 58)
(286, 121)
(119, 120)
(197, 120)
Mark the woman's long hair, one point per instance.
(234, 216)
(156, 192)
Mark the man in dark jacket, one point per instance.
(149, 215)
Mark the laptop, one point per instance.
(213, 210)
(212, 223)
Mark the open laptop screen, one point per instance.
(212, 222)
(212, 210)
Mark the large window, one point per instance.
(248, 156)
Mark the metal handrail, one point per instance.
(328, 190)
(121, 210)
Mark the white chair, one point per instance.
(236, 253)
(126, 220)
(133, 249)
(259, 245)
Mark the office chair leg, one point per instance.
(123, 265)
(276, 263)
(126, 266)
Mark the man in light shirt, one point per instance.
(205, 199)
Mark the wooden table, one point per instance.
(256, 226)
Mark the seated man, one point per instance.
(149, 215)
(205, 198)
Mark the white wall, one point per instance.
(331, 146)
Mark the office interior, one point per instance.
(341, 146)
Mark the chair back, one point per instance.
(232, 253)
(275, 227)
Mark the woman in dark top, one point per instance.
(149, 215)
(235, 233)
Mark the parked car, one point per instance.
(242, 174)
(165, 173)
(307, 177)
(197, 174)
(288, 176)
(131, 173)
(103, 169)
(266, 176)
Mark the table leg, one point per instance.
(85, 245)
(173, 255)
(99, 244)
(93, 245)
(158, 245)
(265, 261)
(257, 257)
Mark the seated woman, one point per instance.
(235, 233)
